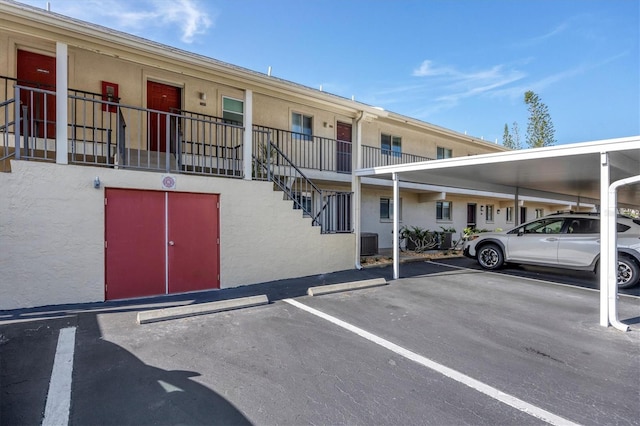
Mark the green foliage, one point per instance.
(507, 139)
(511, 139)
(540, 131)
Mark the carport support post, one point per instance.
(396, 227)
(605, 236)
(516, 206)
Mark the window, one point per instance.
(233, 111)
(391, 145)
(543, 226)
(444, 153)
(539, 213)
(489, 208)
(509, 214)
(443, 210)
(585, 226)
(304, 202)
(386, 209)
(302, 124)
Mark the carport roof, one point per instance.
(565, 172)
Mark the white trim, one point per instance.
(247, 142)
(62, 135)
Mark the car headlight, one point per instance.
(473, 237)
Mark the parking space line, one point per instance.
(540, 280)
(439, 368)
(59, 397)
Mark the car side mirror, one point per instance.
(520, 232)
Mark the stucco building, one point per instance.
(132, 168)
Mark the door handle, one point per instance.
(552, 239)
(171, 243)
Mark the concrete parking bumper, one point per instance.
(354, 285)
(200, 309)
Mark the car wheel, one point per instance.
(628, 272)
(490, 256)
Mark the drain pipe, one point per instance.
(612, 278)
(356, 186)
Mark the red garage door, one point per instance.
(160, 243)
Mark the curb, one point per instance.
(354, 285)
(200, 309)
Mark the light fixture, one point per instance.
(498, 211)
(96, 183)
(203, 96)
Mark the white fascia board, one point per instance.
(565, 200)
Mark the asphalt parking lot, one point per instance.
(445, 344)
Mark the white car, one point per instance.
(563, 240)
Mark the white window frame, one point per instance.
(489, 209)
(302, 133)
(440, 207)
(390, 209)
(509, 214)
(394, 147)
(442, 153)
(235, 113)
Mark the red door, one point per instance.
(193, 242)
(160, 242)
(160, 97)
(343, 148)
(135, 243)
(39, 71)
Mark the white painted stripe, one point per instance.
(56, 412)
(446, 371)
(539, 280)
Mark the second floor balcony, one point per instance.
(109, 134)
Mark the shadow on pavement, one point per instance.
(110, 385)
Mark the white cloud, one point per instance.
(451, 84)
(188, 16)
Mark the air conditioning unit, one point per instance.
(368, 244)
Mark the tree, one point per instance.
(507, 139)
(515, 130)
(511, 139)
(540, 131)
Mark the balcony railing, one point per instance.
(376, 157)
(112, 134)
(311, 152)
(106, 133)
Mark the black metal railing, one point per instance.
(331, 210)
(107, 133)
(311, 152)
(376, 157)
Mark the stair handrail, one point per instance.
(279, 180)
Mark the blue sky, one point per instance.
(463, 65)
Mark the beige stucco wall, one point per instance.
(418, 212)
(52, 232)
(424, 142)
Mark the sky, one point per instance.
(460, 64)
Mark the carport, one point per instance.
(604, 172)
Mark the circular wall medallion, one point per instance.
(168, 182)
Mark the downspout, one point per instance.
(356, 186)
(612, 279)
